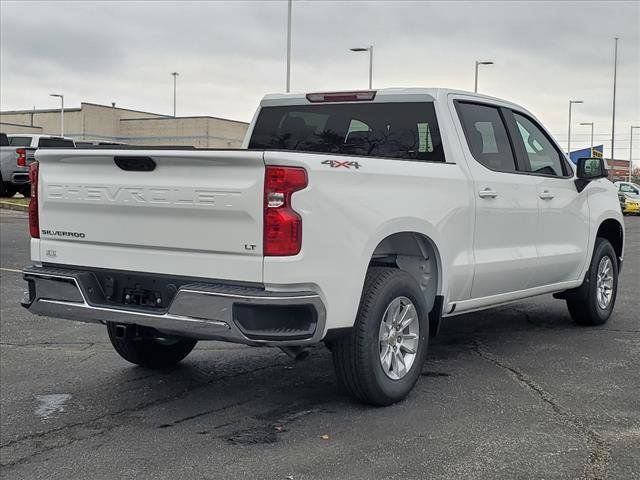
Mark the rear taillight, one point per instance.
(282, 225)
(21, 160)
(34, 222)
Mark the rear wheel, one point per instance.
(380, 360)
(150, 351)
(601, 287)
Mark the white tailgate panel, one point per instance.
(199, 213)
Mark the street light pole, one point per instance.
(475, 83)
(631, 150)
(591, 124)
(370, 50)
(175, 75)
(571, 102)
(613, 115)
(289, 46)
(61, 97)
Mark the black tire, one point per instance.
(585, 309)
(151, 352)
(356, 356)
(7, 190)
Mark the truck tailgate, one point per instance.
(181, 212)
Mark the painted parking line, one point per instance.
(13, 270)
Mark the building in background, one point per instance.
(94, 122)
(596, 151)
(618, 169)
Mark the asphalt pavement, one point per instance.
(513, 392)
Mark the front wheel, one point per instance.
(601, 285)
(380, 360)
(150, 352)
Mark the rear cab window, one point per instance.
(55, 142)
(397, 130)
(20, 141)
(4, 140)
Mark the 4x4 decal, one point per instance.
(338, 164)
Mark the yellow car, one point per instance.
(629, 204)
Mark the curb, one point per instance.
(13, 206)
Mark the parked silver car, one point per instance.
(16, 152)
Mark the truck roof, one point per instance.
(387, 94)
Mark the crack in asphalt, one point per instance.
(205, 413)
(538, 327)
(599, 454)
(88, 357)
(617, 330)
(47, 344)
(104, 423)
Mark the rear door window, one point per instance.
(20, 141)
(400, 130)
(486, 136)
(4, 141)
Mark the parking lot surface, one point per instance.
(513, 392)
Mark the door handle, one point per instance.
(546, 195)
(487, 193)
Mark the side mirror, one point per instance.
(589, 169)
(592, 168)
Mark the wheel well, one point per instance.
(612, 231)
(415, 254)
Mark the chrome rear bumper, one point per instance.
(199, 310)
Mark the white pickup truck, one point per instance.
(355, 218)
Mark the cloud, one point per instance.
(229, 54)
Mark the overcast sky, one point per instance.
(229, 54)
